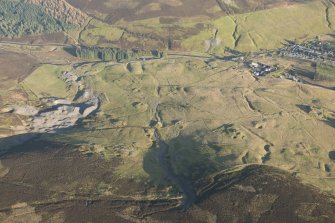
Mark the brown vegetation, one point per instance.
(137, 10)
(48, 182)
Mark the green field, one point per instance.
(44, 82)
(325, 72)
(99, 30)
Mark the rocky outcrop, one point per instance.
(62, 116)
(58, 113)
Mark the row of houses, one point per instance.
(314, 50)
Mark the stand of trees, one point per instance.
(115, 54)
(18, 18)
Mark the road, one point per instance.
(173, 54)
(34, 44)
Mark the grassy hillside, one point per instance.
(268, 29)
(98, 31)
(243, 29)
(325, 72)
(267, 26)
(207, 121)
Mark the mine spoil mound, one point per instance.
(61, 10)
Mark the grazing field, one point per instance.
(44, 82)
(325, 72)
(100, 32)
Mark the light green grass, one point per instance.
(325, 72)
(44, 82)
(91, 36)
(267, 29)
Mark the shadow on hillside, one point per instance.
(29, 142)
(330, 122)
(70, 50)
(180, 162)
(188, 158)
(331, 155)
(305, 108)
(303, 72)
(11, 143)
